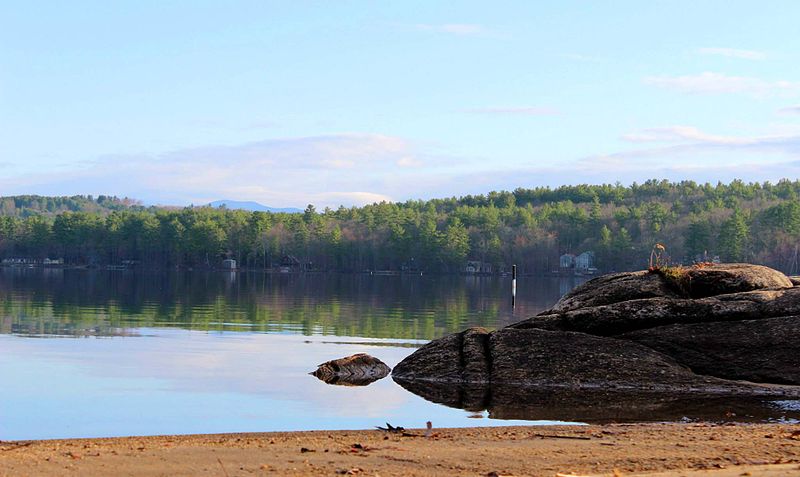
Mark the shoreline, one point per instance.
(614, 449)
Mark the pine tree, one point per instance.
(733, 237)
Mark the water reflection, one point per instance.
(48, 302)
(171, 353)
(602, 406)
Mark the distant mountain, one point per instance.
(252, 206)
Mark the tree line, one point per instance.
(754, 222)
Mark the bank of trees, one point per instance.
(758, 222)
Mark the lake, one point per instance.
(112, 353)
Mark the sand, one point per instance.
(770, 450)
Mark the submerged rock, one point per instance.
(681, 329)
(356, 370)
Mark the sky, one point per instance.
(352, 102)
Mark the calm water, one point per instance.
(89, 353)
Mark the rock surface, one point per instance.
(691, 282)
(356, 370)
(690, 329)
(632, 315)
(614, 288)
(711, 280)
(764, 351)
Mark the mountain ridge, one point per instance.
(252, 206)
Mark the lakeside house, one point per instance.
(582, 264)
(476, 267)
(290, 264)
(584, 261)
(27, 261)
(229, 264)
(566, 262)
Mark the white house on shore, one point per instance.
(584, 261)
(582, 264)
(567, 261)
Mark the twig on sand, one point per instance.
(223, 467)
(553, 436)
(390, 428)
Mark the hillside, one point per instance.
(28, 205)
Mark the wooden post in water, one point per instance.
(513, 286)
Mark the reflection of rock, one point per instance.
(506, 401)
(356, 370)
(675, 330)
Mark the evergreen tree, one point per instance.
(733, 237)
(698, 238)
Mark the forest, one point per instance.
(737, 221)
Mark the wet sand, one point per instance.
(770, 450)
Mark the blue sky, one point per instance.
(289, 103)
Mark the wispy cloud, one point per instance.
(515, 110)
(790, 110)
(733, 53)
(718, 83)
(687, 143)
(682, 134)
(454, 28)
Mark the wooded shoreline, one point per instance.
(532, 228)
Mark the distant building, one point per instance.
(584, 261)
(290, 263)
(567, 261)
(229, 264)
(476, 267)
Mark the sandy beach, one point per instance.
(609, 450)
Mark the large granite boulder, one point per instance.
(681, 329)
(764, 351)
(547, 358)
(614, 288)
(676, 282)
(632, 315)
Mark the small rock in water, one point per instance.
(356, 370)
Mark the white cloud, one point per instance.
(348, 169)
(691, 149)
(355, 169)
(409, 161)
(733, 53)
(718, 83)
(454, 28)
(790, 110)
(515, 110)
(682, 134)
